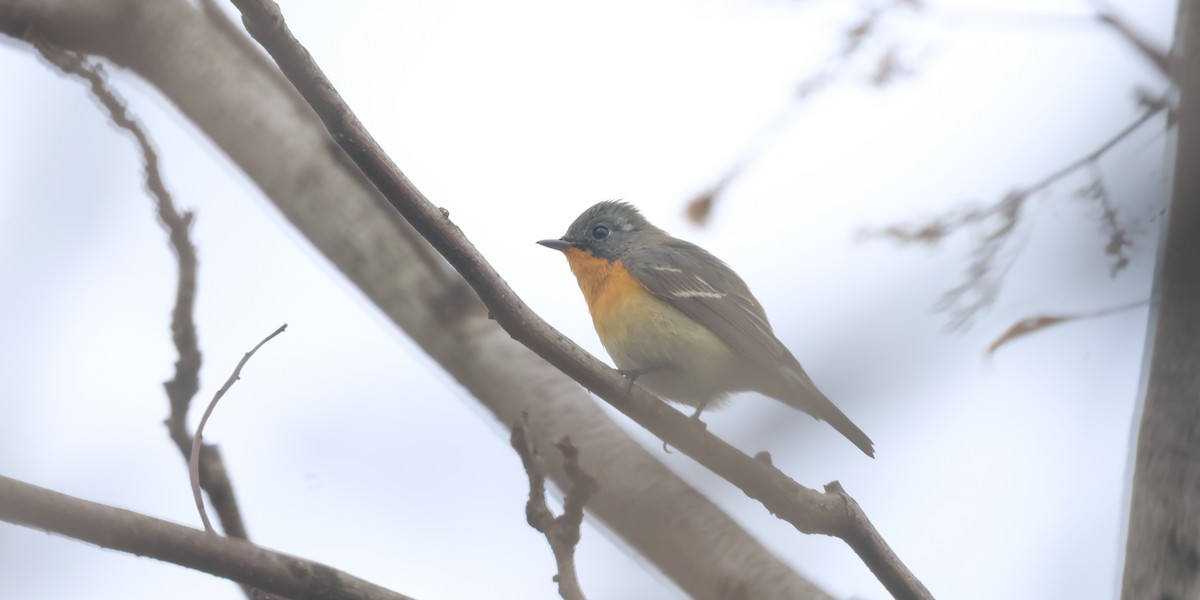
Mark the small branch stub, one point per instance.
(562, 532)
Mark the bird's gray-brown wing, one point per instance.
(705, 289)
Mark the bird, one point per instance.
(680, 322)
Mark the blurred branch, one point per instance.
(808, 510)
(985, 272)
(1024, 21)
(194, 455)
(272, 135)
(562, 532)
(989, 265)
(1038, 323)
(1153, 53)
(1151, 105)
(141, 535)
(888, 67)
(235, 34)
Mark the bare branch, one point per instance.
(140, 535)
(194, 455)
(808, 510)
(562, 532)
(184, 384)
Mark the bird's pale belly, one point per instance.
(682, 360)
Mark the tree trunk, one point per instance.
(1162, 555)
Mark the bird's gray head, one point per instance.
(607, 230)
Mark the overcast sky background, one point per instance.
(995, 479)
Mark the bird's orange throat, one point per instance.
(606, 285)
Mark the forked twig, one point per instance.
(562, 532)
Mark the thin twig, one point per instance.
(808, 510)
(562, 532)
(194, 455)
(238, 560)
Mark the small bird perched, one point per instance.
(680, 322)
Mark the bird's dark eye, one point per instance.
(600, 232)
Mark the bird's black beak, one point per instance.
(560, 244)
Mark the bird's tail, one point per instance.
(838, 419)
(804, 395)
